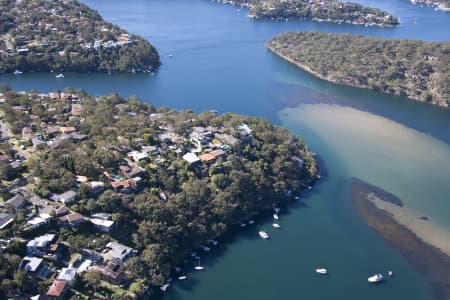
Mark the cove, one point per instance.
(220, 62)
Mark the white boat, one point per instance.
(199, 267)
(204, 248)
(276, 209)
(322, 271)
(182, 277)
(390, 273)
(170, 55)
(251, 222)
(60, 75)
(17, 72)
(243, 225)
(276, 217)
(164, 287)
(177, 269)
(263, 234)
(297, 197)
(214, 242)
(193, 254)
(276, 225)
(375, 278)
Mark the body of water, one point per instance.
(219, 61)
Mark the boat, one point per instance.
(243, 225)
(60, 75)
(214, 111)
(276, 225)
(177, 269)
(390, 273)
(170, 55)
(322, 271)
(263, 234)
(205, 248)
(18, 72)
(276, 209)
(276, 217)
(251, 222)
(199, 267)
(164, 287)
(375, 278)
(193, 254)
(182, 277)
(214, 242)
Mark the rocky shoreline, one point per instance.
(430, 261)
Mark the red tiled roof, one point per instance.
(207, 157)
(57, 288)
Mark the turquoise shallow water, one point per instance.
(220, 62)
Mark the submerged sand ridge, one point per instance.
(423, 247)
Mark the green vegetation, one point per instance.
(173, 205)
(62, 35)
(415, 69)
(318, 10)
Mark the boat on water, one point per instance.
(214, 242)
(276, 217)
(193, 254)
(263, 234)
(390, 273)
(60, 75)
(276, 225)
(199, 267)
(164, 287)
(182, 277)
(243, 225)
(322, 271)
(251, 222)
(375, 278)
(276, 209)
(205, 248)
(170, 55)
(18, 72)
(177, 269)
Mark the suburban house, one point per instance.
(68, 275)
(71, 220)
(35, 266)
(57, 289)
(14, 203)
(5, 220)
(43, 246)
(117, 252)
(191, 158)
(65, 197)
(110, 271)
(103, 225)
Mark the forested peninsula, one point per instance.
(57, 35)
(317, 10)
(108, 197)
(416, 69)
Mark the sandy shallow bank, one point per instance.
(375, 207)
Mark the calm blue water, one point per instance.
(220, 62)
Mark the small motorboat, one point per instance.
(164, 287)
(263, 234)
(276, 217)
(251, 222)
(390, 273)
(276, 209)
(276, 225)
(18, 72)
(322, 271)
(243, 225)
(214, 242)
(182, 277)
(375, 278)
(205, 248)
(170, 55)
(193, 254)
(60, 75)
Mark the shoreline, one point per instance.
(429, 259)
(314, 73)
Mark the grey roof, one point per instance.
(15, 202)
(41, 241)
(31, 264)
(67, 274)
(116, 251)
(5, 220)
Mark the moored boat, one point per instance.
(263, 234)
(322, 271)
(276, 225)
(276, 217)
(375, 278)
(60, 75)
(17, 72)
(182, 277)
